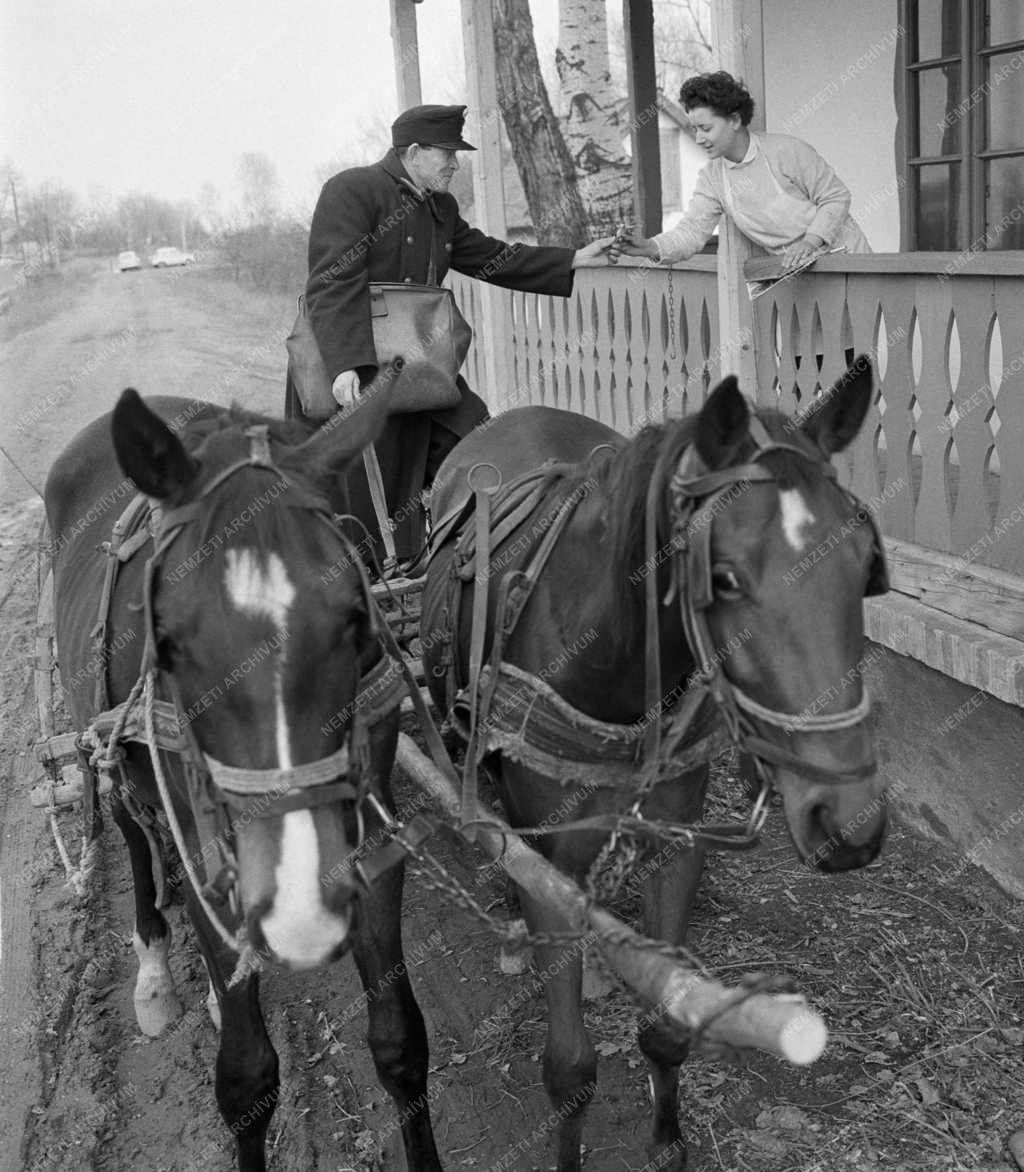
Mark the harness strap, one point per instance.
(259, 781)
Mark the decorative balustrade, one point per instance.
(632, 344)
(941, 457)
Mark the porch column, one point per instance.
(739, 49)
(483, 129)
(405, 44)
(642, 88)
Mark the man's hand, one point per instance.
(345, 389)
(594, 254)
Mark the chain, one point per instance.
(671, 317)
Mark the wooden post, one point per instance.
(739, 49)
(405, 43)
(642, 88)
(779, 1024)
(483, 130)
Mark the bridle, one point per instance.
(694, 502)
(218, 790)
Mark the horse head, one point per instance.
(778, 559)
(260, 623)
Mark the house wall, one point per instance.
(828, 73)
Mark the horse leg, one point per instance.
(669, 894)
(246, 1080)
(570, 1061)
(156, 1003)
(396, 1034)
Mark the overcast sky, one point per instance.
(164, 95)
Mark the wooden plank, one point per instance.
(946, 264)
(484, 131)
(739, 49)
(642, 92)
(991, 598)
(405, 44)
(781, 1025)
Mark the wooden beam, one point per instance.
(483, 129)
(405, 43)
(737, 34)
(642, 89)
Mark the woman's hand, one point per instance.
(802, 250)
(624, 244)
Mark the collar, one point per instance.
(753, 150)
(393, 165)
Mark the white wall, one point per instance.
(828, 71)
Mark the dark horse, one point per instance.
(262, 627)
(785, 623)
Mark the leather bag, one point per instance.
(419, 326)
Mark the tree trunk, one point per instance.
(538, 148)
(593, 124)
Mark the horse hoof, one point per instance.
(156, 1004)
(514, 963)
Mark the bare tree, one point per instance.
(258, 180)
(538, 148)
(593, 122)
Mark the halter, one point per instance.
(695, 501)
(215, 787)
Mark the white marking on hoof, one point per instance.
(213, 1008)
(515, 964)
(796, 518)
(156, 1004)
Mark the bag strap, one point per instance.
(432, 266)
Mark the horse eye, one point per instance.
(725, 583)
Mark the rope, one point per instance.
(798, 722)
(248, 959)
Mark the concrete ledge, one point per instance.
(963, 651)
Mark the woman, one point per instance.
(777, 190)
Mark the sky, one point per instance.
(113, 96)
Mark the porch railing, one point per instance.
(941, 457)
(632, 344)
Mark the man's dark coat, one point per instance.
(369, 225)
(372, 224)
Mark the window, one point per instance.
(963, 91)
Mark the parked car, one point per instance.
(165, 258)
(128, 260)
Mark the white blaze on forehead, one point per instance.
(265, 590)
(796, 518)
(299, 929)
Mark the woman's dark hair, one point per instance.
(720, 92)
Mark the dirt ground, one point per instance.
(916, 963)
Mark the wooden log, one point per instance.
(783, 1025)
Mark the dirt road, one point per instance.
(916, 963)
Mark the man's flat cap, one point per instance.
(439, 126)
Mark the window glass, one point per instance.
(938, 29)
(937, 191)
(1006, 21)
(1006, 101)
(1004, 207)
(940, 114)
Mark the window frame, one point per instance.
(972, 55)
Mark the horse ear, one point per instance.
(336, 443)
(150, 454)
(834, 423)
(722, 425)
